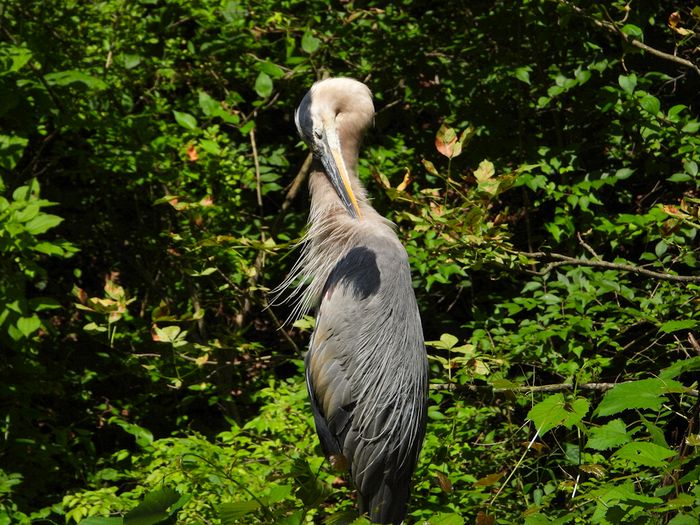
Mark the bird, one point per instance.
(366, 368)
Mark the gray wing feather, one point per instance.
(367, 374)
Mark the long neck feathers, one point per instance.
(331, 233)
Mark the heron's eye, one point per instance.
(318, 134)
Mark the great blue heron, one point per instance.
(366, 369)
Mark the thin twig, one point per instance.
(294, 188)
(280, 327)
(258, 189)
(563, 260)
(586, 246)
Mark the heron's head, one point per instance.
(332, 118)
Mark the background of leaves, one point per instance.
(540, 159)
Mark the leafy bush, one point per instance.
(540, 161)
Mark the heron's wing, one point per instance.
(330, 393)
(367, 371)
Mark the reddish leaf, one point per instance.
(491, 479)
(405, 182)
(484, 519)
(445, 141)
(192, 154)
(444, 483)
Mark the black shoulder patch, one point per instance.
(358, 270)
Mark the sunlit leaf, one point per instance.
(554, 411)
(677, 325)
(643, 394)
(153, 508)
(231, 512)
(627, 82)
(263, 85)
(42, 223)
(612, 434)
(185, 120)
(485, 171)
(445, 140)
(650, 104)
(446, 519)
(309, 43)
(643, 453)
(28, 325)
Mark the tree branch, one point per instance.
(563, 260)
(595, 387)
(611, 27)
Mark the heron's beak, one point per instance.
(332, 160)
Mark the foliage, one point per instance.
(540, 160)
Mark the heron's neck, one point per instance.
(325, 203)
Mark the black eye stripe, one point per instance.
(303, 118)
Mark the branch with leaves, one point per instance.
(631, 40)
(564, 260)
(531, 389)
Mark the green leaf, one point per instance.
(683, 519)
(66, 78)
(28, 325)
(19, 56)
(448, 340)
(143, 436)
(42, 223)
(612, 434)
(554, 411)
(207, 104)
(624, 173)
(677, 325)
(633, 31)
(276, 493)
(153, 509)
(130, 61)
(660, 248)
(271, 69)
(523, 74)
(185, 120)
(650, 104)
(643, 453)
(11, 150)
(100, 520)
(293, 519)
(48, 249)
(169, 334)
(627, 82)
(609, 493)
(541, 519)
(485, 171)
(263, 85)
(40, 304)
(679, 177)
(691, 127)
(27, 213)
(681, 367)
(445, 518)
(231, 512)
(644, 394)
(309, 43)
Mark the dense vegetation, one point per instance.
(540, 160)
